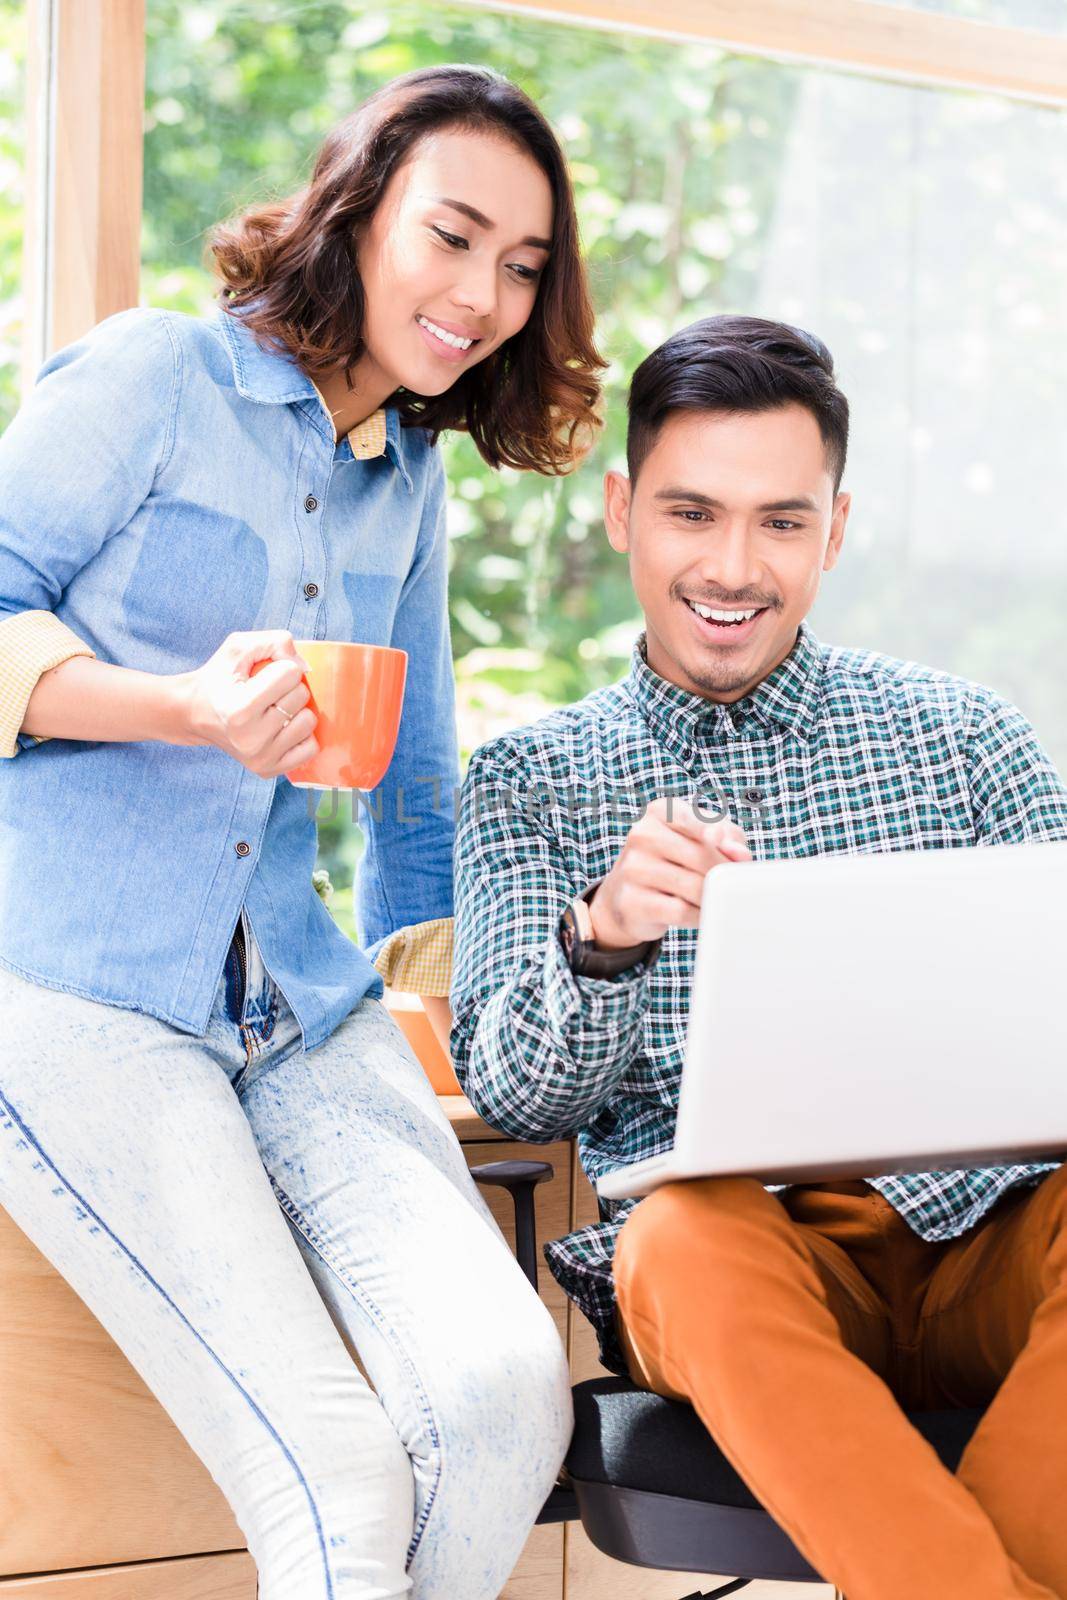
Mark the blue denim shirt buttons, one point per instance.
(242, 847)
(311, 590)
(311, 504)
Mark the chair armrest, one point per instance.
(520, 1179)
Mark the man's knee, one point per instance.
(1046, 1211)
(1055, 1186)
(698, 1241)
(682, 1223)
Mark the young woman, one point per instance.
(208, 1122)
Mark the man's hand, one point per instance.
(658, 880)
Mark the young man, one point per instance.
(793, 1321)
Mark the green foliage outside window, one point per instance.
(682, 157)
(12, 160)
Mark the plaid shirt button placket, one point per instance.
(851, 752)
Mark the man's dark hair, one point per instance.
(737, 364)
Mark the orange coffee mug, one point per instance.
(357, 692)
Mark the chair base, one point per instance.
(723, 1589)
(674, 1534)
(561, 1506)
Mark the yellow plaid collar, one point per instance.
(368, 437)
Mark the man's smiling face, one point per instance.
(731, 513)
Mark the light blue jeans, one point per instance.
(242, 1216)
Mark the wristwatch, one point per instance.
(584, 956)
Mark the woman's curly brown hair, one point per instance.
(289, 268)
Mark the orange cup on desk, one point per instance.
(357, 692)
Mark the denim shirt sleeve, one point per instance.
(405, 875)
(81, 456)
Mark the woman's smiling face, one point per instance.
(450, 261)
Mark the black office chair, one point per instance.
(643, 1473)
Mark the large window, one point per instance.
(1047, 16)
(920, 232)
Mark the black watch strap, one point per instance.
(584, 956)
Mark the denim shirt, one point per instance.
(167, 482)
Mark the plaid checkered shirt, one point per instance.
(836, 751)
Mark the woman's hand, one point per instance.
(261, 716)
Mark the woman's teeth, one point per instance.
(446, 338)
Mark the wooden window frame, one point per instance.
(85, 121)
(86, 79)
(867, 36)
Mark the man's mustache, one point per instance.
(744, 601)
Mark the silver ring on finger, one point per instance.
(286, 718)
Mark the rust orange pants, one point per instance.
(801, 1326)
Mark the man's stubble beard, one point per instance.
(722, 683)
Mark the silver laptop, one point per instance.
(858, 1015)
